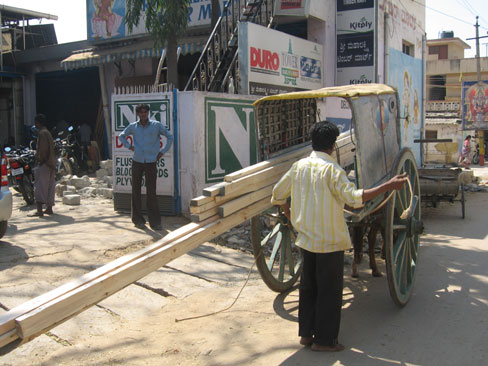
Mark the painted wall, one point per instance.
(406, 76)
(405, 23)
(213, 143)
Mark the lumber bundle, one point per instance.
(244, 187)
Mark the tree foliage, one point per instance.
(164, 18)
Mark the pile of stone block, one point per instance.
(72, 188)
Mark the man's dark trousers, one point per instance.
(150, 172)
(320, 296)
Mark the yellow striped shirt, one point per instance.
(319, 188)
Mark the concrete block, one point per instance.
(108, 180)
(88, 191)
(69, 190)
(80, 182)
(107, 165)
(72, 199)
(60, 188)
(101, 173)
(106, 192)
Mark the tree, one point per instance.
(166, 20)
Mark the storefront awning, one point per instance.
(99, 56)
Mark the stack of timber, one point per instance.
(244, 187)
(243, 195)
(246, 193)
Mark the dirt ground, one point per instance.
(443, 324)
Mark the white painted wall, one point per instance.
(191, 152)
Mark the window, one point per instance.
(433, 50)
(437, 87)
(431, 134)
(407, 48)
(441, 51)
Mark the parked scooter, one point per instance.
(20, 162)
(476, 155)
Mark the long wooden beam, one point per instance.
(62, 308)
(292, 155)
(7, 320)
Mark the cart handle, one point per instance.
(404, 214)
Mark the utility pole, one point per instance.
(481, 137)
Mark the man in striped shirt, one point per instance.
(319, 189)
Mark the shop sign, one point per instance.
(124, 113)
(230, 137)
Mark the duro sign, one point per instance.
(265, 61)
(230, 137)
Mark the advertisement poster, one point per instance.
(106, 18)
(272, 62)
(475, 105)
(406, 77)
(290, 7)
(355, 32)
(124, 113)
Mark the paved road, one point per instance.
(443, 324)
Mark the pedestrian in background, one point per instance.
(319, 188)
(465, 158)
(45, 169)
(147, 152)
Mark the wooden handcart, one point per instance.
(370, 151)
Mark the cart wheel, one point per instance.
(278, 260)
(402, 235)
(463, 206)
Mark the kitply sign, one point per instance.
(273, 62)
(355, 32)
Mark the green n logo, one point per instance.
(230, 141)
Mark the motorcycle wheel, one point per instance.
(476, 158)
(26, 186)
(64, 168)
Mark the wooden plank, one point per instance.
(7, 320)
(295, 154)
(246, 200)
(200, 200)
(204, 215)
(260, 184)
(214, 190)
(216, 201)
(249, 182)
(45, 317)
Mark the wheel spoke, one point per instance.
(400, 270)
(268, 237)
(281, 273)
(276, 246)
(400, 227)
(398, 246)
(289, 256)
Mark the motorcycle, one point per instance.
(20, 162)
(476, 155)
(65, 150)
